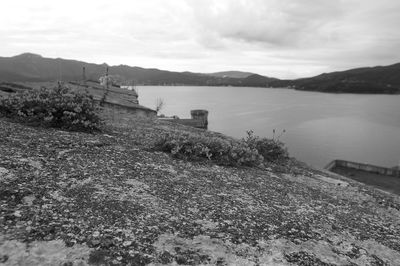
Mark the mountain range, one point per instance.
(33, 67)
(231, 74)
(379, 79)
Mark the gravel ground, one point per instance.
(69, 198)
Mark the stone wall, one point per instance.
(188, 122)
(199, 119)
(118, 114)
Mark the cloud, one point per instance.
(273, 22)
(282, 38)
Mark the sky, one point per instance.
(275, 38)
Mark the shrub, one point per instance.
(271, 149)
(58, 107)
(159, 105)
(220, 150)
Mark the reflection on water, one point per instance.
(319, 127)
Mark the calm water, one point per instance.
(319, 127)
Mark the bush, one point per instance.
(58, 107)
(271, 149)
(220, 150)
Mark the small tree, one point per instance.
(159, 104)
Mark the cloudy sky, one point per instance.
(279, 38)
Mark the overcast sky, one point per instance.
(279, 38)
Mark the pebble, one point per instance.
(127, 243)
(28, 200)
(95, 242)
(3, 171)
(17, 214)
(96, 234)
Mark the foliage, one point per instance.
(271, 149)
(220, 150)
(58, 107)
(159, 104)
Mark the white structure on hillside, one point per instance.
(105, 81)
(131, 88)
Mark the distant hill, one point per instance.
(231, 74)
(379, 79)
(32, 67)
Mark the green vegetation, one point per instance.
(58, 107)
(251, 151)
(196, 147)
(271, 149)
(159, 105)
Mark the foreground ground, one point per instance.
(107, 199)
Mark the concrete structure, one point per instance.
(387, 179)
(130, 88)
(363, 167)
(118, 105)
(200, 115)
(125, 115)
(199, 119)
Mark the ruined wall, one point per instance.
(199, 119)
(118, 114)
(189, 122)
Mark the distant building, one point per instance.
(105, 81)
(131, 88)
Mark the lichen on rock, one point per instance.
(109, 198)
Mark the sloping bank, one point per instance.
(106, 199)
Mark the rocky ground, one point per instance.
(70, 198)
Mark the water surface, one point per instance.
(319, 127)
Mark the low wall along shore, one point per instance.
(199, 119)
(364, 167)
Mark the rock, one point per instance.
(3, 171)
(127, 243)
(33, 163)
(52, 252)
(6, 175)
(94, 242)
(28, 200)
(61, 153)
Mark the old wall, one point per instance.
(125, 115)
(199, 119)
(364, 167)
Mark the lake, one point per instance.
(320, 127)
